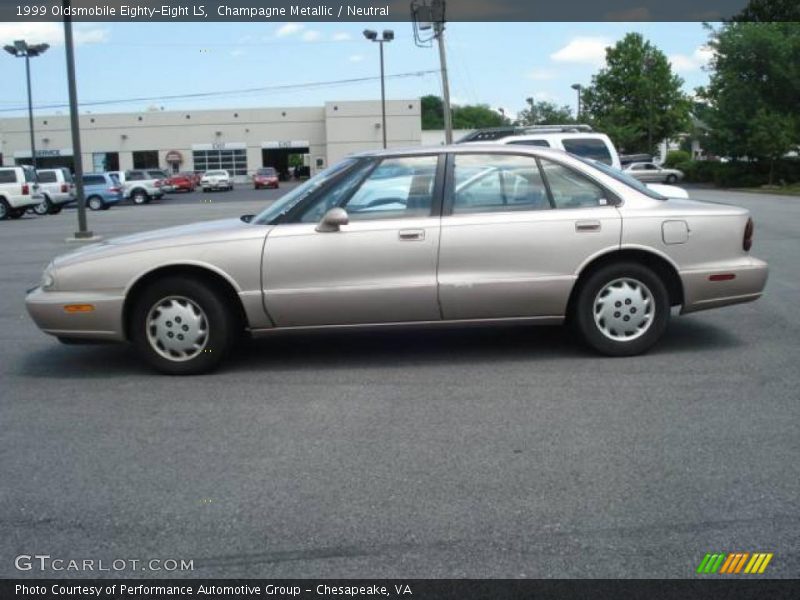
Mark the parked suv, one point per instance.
(579, 140)
(19, 191)
(143, 185)
(101, 190)
(58, 189)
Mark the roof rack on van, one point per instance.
(495, 133)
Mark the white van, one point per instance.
(19, 191)
(579, 140)
(58, 189)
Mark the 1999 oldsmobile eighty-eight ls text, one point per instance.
(459, 234)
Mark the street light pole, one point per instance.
(448, 115)
(388, 36)
(578, 87)
(21, 49)
(83, 233)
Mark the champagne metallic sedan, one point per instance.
(460, 234)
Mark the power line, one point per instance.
(239, 92)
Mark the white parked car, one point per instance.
(579, 140)
(216, 180)
(141, 185)
(648, 172)
(58, 189)
(19, 191)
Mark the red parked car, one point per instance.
(265, 178)
(181, 182)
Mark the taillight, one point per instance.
(64, 188)
(25, 189)
(747, 242)
(114, 190)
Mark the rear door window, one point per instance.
(93, 180)
(47, 177)
(593, 148)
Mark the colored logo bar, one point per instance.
(734, 563)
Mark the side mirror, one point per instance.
(246, 218)
(333, 220)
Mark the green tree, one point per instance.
(754, 90)
(770, 10)
(469, 116)
(636, 98)
(545, 113)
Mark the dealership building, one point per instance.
(240, 140)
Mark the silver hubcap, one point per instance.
(177, 328)
(624, 309)
(94, 204)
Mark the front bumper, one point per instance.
(749, 277)
(46, 308)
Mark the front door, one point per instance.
(378, 268)
(517, 233)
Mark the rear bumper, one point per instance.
(103, 323)
(742, 281)
(25, 201)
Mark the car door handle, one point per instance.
(587, 225)
(411, 235)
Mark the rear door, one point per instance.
(515, 233)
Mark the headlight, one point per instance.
(47, 278)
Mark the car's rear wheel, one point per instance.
(140, 197)
(96, 203)
(182, 326)
(622, 309)
(671, 178)
(45, 207)
(4, 209)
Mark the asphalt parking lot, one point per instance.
(460, 453)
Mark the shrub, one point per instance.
(739, 173)
(676, 157)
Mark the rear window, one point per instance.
(47, 177)
(30, 174)
(67, 175)
(266, 172)
(542, 143)
(114, 178)
(591, 148)
(8, 176)
(94, 180)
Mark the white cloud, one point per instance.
(356, 58)
(341, 36)
(540, 74)
(288, 29)
(697, 60)
(584, 50)
(51, 33)
(311, 36)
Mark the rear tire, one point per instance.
(181, 306)
(45, 207)
(95, 203)
(671, 179)
(622, 309)
(140, 197)
(5, 209)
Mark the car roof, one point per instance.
(467, 148)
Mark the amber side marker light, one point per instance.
(722, 277)
(78, 308)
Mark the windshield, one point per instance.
(290, 200)
(622, 178)
(267, 172)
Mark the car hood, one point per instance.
(669, 191)
(207, 232)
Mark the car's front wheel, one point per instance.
(182, 326)
(622, 309)
(44, 207)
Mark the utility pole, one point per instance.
(430, 15)
(21, 49)
(83, 234)
(448, 115)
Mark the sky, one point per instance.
(499, 64)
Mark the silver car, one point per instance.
(459, 234)
(648, 172)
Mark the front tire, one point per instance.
(182, 326)
(622, 309)
(45, 207)
(671, 179)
